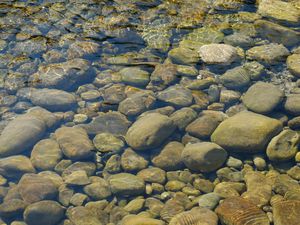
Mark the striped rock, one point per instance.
(239, 211)
(196, 216)
(286, 212)
(171, 209)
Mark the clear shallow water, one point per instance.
(80, 80)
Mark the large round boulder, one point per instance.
(246, 132)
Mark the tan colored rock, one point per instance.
(258, 191)
(246, 132)
(139, 220)
(293, 63)
(149, 131)
(286, 212)
(284, 12)
(196, 216)
(74, 142)
(239, 211)
(221, 54)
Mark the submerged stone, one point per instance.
(284, 12)
(277, 33)
(28, 128)
(286, 212)
(204, 156)
(293, 64)
(270, 53)
(44, 212)
(74, 142)
(284, 146)
(176, 95)
(246, 132)
(110, 122)
(238, 211)
(150, 131)
(62, 75)
(262, 97)
(126, 184)
(220, 54)
(53, 99)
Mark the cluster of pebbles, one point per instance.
(145, 112)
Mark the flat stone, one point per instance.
(169, 158)
(135, 205)
(259, 191)
(204, 156)
(292, 104)
(126, 184)
(294, 172)
(46, 154)
(293, 64)
(209, 200)
(114, 94)
(183, 56)
(139, 220)
(61, 75)
(246, 132)
(44, 212)
(82, 216)
(80, 49)
(106, 142)
(229, 97)
(135, 76)
(34, 188)
(78, 178)
(235, 78)
(137, 103)
(220, 54)
(99, 189)
(153, 175)
(12, 208)
(91, 95)
(176, 95)
(15, 166)
(149, 131)
(74, 142)
(183, 117)
(110, 122)
(262, 97)
(53, 99)
(132, 161)
(238, 211)
(283, 183)
(277, 33)
(195, 216)
(283, 12)
(284, 146)
(35, 128)
(270, 53)
(206, 123)
(164, 75)
(286, 212)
